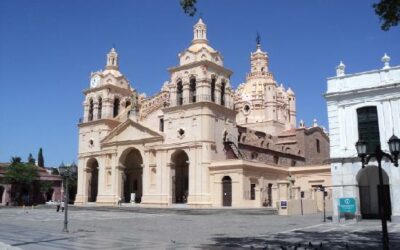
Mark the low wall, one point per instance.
(309, 207)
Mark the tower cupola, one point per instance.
(200, 32)
(259, 59)
(112, 60)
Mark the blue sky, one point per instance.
(48, 49)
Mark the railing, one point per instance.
(181, 100)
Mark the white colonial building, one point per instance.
(197, 141)
(363, 105)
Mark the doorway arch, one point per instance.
(226, 191)
(368, 184)
(93, 179)
(132, 176)
(180, 176)
(1, 194)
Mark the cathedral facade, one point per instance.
(198, 141)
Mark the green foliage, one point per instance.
(45, 186)
(40, 158)
(15, 159)
(22, 177)
(21, 173)
(31, 159)
(389, 13)
(189, 6)
(54, 171)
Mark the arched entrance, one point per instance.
(132, 175)
(1, 194)
(93, 179)
(180, 176)
(226, 191)
(368, 184)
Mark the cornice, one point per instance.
(199, 63)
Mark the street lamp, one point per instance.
(66, 172)
(394, 147)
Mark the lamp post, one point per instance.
(66, 172)
(394, 147)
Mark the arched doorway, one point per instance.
(132, 175)
(368, 184)
(93, 179)
(180, 176)
(226, 191)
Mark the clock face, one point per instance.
(94, 82)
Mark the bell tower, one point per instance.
(200, 115)
(107, 101)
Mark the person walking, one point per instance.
(58, 204)
(62, 206)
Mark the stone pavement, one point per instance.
(91, 229)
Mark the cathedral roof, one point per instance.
(196, 47)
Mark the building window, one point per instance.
(162, 124)
(252, 191)
(293, 163)
(90, 116)
(318, 146)
(99, 108)
(213, 80)
(276, 159)
(179, 93)
(116, 107)
(254, 155)
(368, 127)
(192, 90)
(223, 93)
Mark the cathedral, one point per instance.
(198, 141)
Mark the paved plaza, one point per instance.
(26, 228)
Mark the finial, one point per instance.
(340, 69)
(302, 124)
(315, 124)
(258, 41)
(386, 59)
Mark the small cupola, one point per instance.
(112, 60)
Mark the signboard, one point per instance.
(347, 205)
(283, 204)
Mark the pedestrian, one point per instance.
(62, 206)
(119, 201)
(58, 206)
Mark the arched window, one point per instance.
(116, 107)
(90, 116)
(127, 104)
(223, 93)
(213, 80)
(368, 127)
(317, 145)
(99, 108)
(179, 93)
(192, 90)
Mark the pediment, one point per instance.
(131, 131)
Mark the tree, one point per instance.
(54, 171)
(40, 158)
(21, 176)
(389, 13)
(189, 6)
(31, 159)
(387, 10)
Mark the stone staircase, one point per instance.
(137, 208)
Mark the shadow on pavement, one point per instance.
(331, 240)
